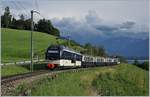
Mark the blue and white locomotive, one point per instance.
(60, 56)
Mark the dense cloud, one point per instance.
(127, 25)
(118, 38)
(95, 27)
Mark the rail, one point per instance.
(7, 79)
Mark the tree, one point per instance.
(27, 24)
(22, 17)
(19, 24)
(55, 31)
(145, 65)
(87, 45)
(101, 52)
(43, 25)
(13, 23)
(6, 18)
(88, 49)
(122, 59)
(94, 50)
(46, 26)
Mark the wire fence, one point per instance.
(25, 62)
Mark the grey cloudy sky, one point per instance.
(91, 16)
(109, 10)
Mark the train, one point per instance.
(59, 56)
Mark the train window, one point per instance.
(68, 55)
(87, 59)
(73, 57)
(84, 58)
(64, 55)
(78, 57)
(98, 60)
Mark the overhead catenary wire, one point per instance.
(13, 7)
(37, 8)
(28, 12)
(19, 7)
(37, 5)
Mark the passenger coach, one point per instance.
(63, 57)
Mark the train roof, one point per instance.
(98, 56)
(65, 48)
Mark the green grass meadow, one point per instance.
(120, 80)
(16, 44)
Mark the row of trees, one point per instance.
(43, 25)
(94, 50)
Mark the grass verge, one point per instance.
(12, 70)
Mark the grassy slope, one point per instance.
(16, 44)
(127, 80)
(121, 80)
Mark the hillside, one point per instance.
(16, 44)
(119, 80)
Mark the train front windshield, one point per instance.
(53, 53)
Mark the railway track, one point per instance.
(7, 79)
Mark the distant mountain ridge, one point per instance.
(124, 46)
(127, 47)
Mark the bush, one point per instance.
(144, 65)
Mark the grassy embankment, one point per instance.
(16, 47)
(122, 80)
(15, 69)
(11, 70)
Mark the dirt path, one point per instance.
(87, 80)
